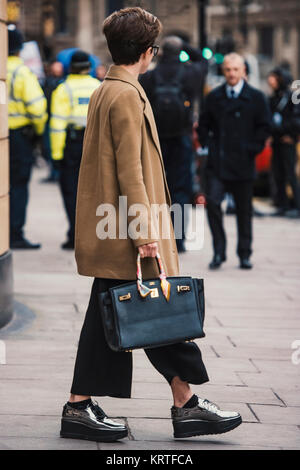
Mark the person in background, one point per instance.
(172, 89)
(235, 123)
(53, 79)
(230, 209)
(27, 116)
(285, 134)
(69, 105)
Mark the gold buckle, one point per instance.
(125, 297)
(183, 288)
(154, 293)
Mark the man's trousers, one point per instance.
(177, 155)
(21, 160)
(284, 171)
(242, 192)
(69, 177)
(100, 371)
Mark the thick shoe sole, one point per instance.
(201, 428)
(73, 430)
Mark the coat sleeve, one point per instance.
(35, 101)
(205, 124)
(126, 118)
(262, 123)
(60, 112)
(291, 124)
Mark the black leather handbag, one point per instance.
(153, 313)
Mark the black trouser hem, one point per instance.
(106, 393)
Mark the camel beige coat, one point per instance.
(121, 157)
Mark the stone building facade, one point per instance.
(58, 24)
(6, 300)
(270, 29)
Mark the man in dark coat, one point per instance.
(235, 124)
(169, 82)
(285, 133)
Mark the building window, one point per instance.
(62, 16)
(113, 5)
(266, 41)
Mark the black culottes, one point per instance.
(100, 371)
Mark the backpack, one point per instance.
(171, 108)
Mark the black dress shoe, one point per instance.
(216, 261)
(181, 248)
(90, 423)
(49, 179)
(293, 214)
(68, 245)
(24, 244)
(278, 213)
(245, 263)
(230, 210)
(257, 213)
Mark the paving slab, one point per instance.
(32, 427)
(15, 443)
(279, 415)
(272, 380)
(252, 319)
(288, 397)
(253, 434)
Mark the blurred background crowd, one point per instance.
(61, 41)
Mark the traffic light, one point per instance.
(184, 57)
(219, 58)
(207, 53)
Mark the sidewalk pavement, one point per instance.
(252, 319)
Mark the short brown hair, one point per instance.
(129, 32)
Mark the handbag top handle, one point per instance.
(164, 283)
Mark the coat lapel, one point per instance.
(232, 105)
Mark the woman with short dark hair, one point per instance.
(122, 158)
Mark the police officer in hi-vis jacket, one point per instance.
(69, 105)
(27, 115)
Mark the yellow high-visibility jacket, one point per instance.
(69, 105)
(26, 100)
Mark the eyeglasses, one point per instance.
(154, 50)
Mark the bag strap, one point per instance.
(164, 283)
(283, 102)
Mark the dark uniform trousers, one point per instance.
(177, 155)
(242, 192)
(100, 371)
(21, 160)
(283, 166)
(69, 176)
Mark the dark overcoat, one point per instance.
(235, 131)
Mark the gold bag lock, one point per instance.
(183, 288)
(125, 297)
